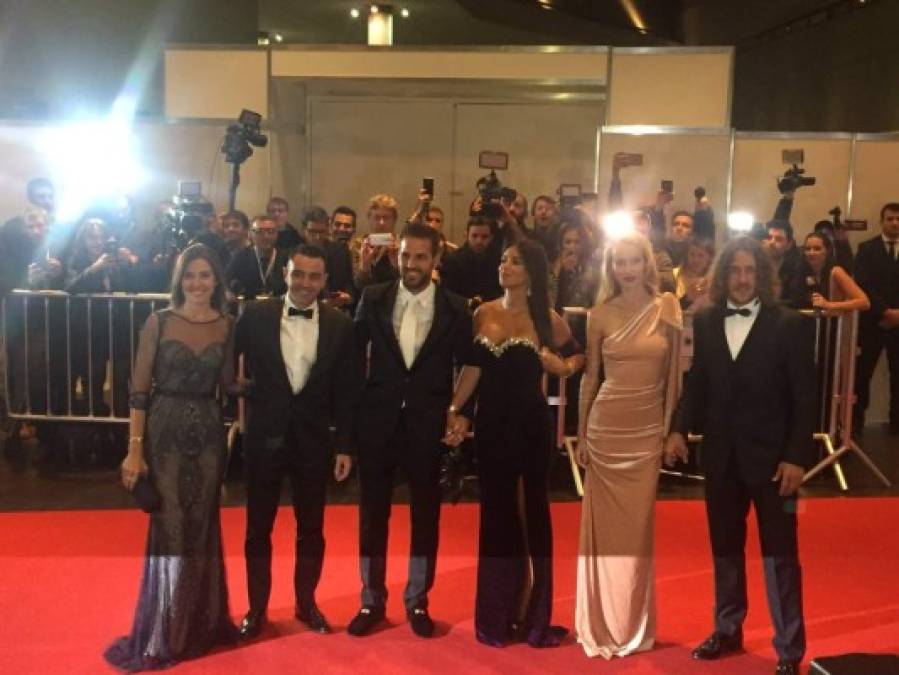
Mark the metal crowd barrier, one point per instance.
(52, 341)
(836, 340)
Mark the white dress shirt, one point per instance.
(299, 344)
(422, 306)
(737, 327)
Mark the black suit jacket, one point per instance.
(424, 391)
(329, 396)
(244, 270)
(879, 278)
(759, 409)
(469, 274)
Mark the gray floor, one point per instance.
(83, 475)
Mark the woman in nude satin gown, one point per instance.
(633, 333)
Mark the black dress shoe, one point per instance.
(367, 618)
(718, 644)
(421, 622)
(786, 667)
(251, 625)
(312, 617)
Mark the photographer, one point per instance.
(288, 234)
(97, 265)
(545, 212)
(235, 231)
(378, 260)
(471, 271)
(785, 256)
(259, 269)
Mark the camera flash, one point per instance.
(740, 221)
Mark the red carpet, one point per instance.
(68, 581)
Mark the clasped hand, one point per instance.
(456, 428)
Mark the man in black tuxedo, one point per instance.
(877, 272)
(303, 379)
(751, 390)
(416, 332)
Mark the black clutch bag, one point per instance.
(146, 495)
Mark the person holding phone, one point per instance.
(378, 256)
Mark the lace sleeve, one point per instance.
(142, 377)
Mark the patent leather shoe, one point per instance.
(787, 667)
(251, 625)
(312, 617)
(718, 644)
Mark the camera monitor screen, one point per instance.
(488, 159)
(189, 188)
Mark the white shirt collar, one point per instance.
(288, 303)
(424, 298)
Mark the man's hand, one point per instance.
(340, 299)
(456, 428)
(790, 477)
(393, 253)
(663, 199)
(342, 466)
(675, 448)
(889, 319)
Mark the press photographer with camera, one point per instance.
(470, 271)
(235, 231)
(785, 256)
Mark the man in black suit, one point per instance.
(416, 332)
(258, 269)
(471, 271)
(303, 379)
(877, 272)
(751, 391)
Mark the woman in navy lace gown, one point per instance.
(518, 337)
(177, 438)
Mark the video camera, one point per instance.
(490, 188)
(794, 177)
(240, 136)
(188, 214)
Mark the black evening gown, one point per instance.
(182, 608)
(513, 436)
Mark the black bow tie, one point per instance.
(730, 311)
(305, 313)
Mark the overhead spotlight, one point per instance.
(263, 39)
(354, 13)
(618, 224)
(740, 221)
(278, 37)
(374, 9)
(404, 13)
(545, 4)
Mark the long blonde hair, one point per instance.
(609, 287)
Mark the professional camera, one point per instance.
(239, 137)
(490, 188)
(188, 214)
(794, 177)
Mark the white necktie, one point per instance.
(408, 328)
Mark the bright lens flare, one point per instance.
(93, 159)
(740, 221)
(618, 224)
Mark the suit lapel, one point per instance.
(441, 323)
(325, 341)
(274, 343)
(385, 320)
(722, 349)
(765, 316)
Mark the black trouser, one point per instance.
(308, 471)
(727, 505)
(873, 341)
(377, 467)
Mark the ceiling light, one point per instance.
(373, 9)
(278, 37)
(354, 13)
(404, 13)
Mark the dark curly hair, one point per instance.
(764, 270)
(537, 267)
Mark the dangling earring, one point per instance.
(529, 291)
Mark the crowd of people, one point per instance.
(374, 350)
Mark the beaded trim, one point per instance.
(498, 349)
